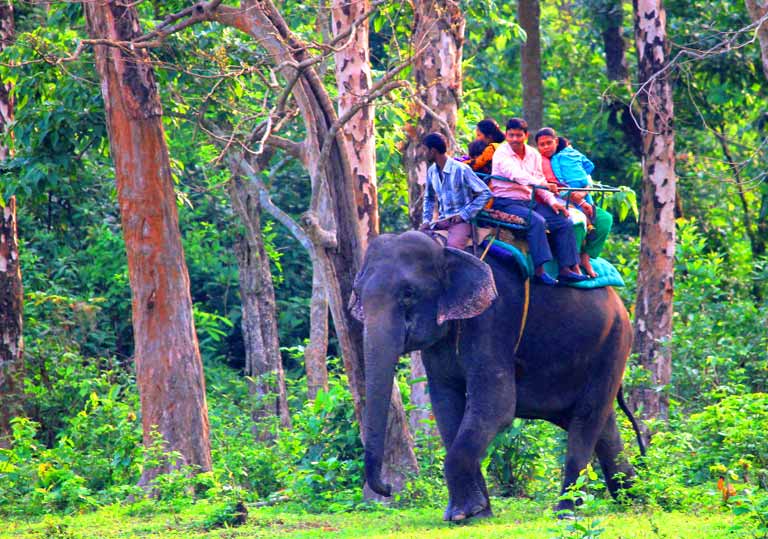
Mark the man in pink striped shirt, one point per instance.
(522, 165)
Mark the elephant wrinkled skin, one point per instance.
(412, 294)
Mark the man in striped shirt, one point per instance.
(459, 193)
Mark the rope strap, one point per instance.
(526, 299)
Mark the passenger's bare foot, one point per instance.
(587, 265)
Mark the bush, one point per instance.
(725, 439)
(325, 451)
(525, 452)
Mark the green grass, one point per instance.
(514, 519)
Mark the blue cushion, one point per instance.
(607, 274)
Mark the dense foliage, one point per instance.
(80, 445)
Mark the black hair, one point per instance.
(517, 123)
(490, 129)
(545, 132)
(562, 144)
(435, 141)
(477, 147)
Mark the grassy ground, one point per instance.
(514, 519)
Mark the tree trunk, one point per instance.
(757, 10)
(438, 38)
(263, 363)
(6, 102)
(169, 371)
(11, 307)
(421, 411)
(655, 282)
(353, 78)
(339, 259)
(609, 17)
(529, 14)
(317, 350)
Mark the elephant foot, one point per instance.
(564, 510)
(478, 509)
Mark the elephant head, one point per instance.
(407, 288)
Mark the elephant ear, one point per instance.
(469, 287)
(355, 305)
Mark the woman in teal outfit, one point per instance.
(566, 165)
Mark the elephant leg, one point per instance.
(448, 399)
(583, 433)
(618, 473)
(490, 408)
(448, 405)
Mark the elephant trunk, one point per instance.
(384, 339)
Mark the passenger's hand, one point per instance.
(559, 207)
(553, 187)
(588, 210)
(455, 220)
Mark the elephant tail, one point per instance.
(635, 426)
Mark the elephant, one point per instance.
(464, 315)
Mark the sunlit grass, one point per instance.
(514, 519)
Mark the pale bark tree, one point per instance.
(263, 363)
(438, 37)
(529, 15)
(169, 370)
(316, 351)
(11, 292)
(6, 102)
(353, 78)
(11, 340)
(655, 283)
(758, 12)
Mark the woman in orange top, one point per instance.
(487, 131)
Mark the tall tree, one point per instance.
(11, 340)
(263, 363)
(655, 282)
(758, 12)
(609, 17)
(6, 101)
(11, 297)
(353, 79)
(529, 15)
(438, 39)
(169, 370)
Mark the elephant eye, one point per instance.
(408, 296)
